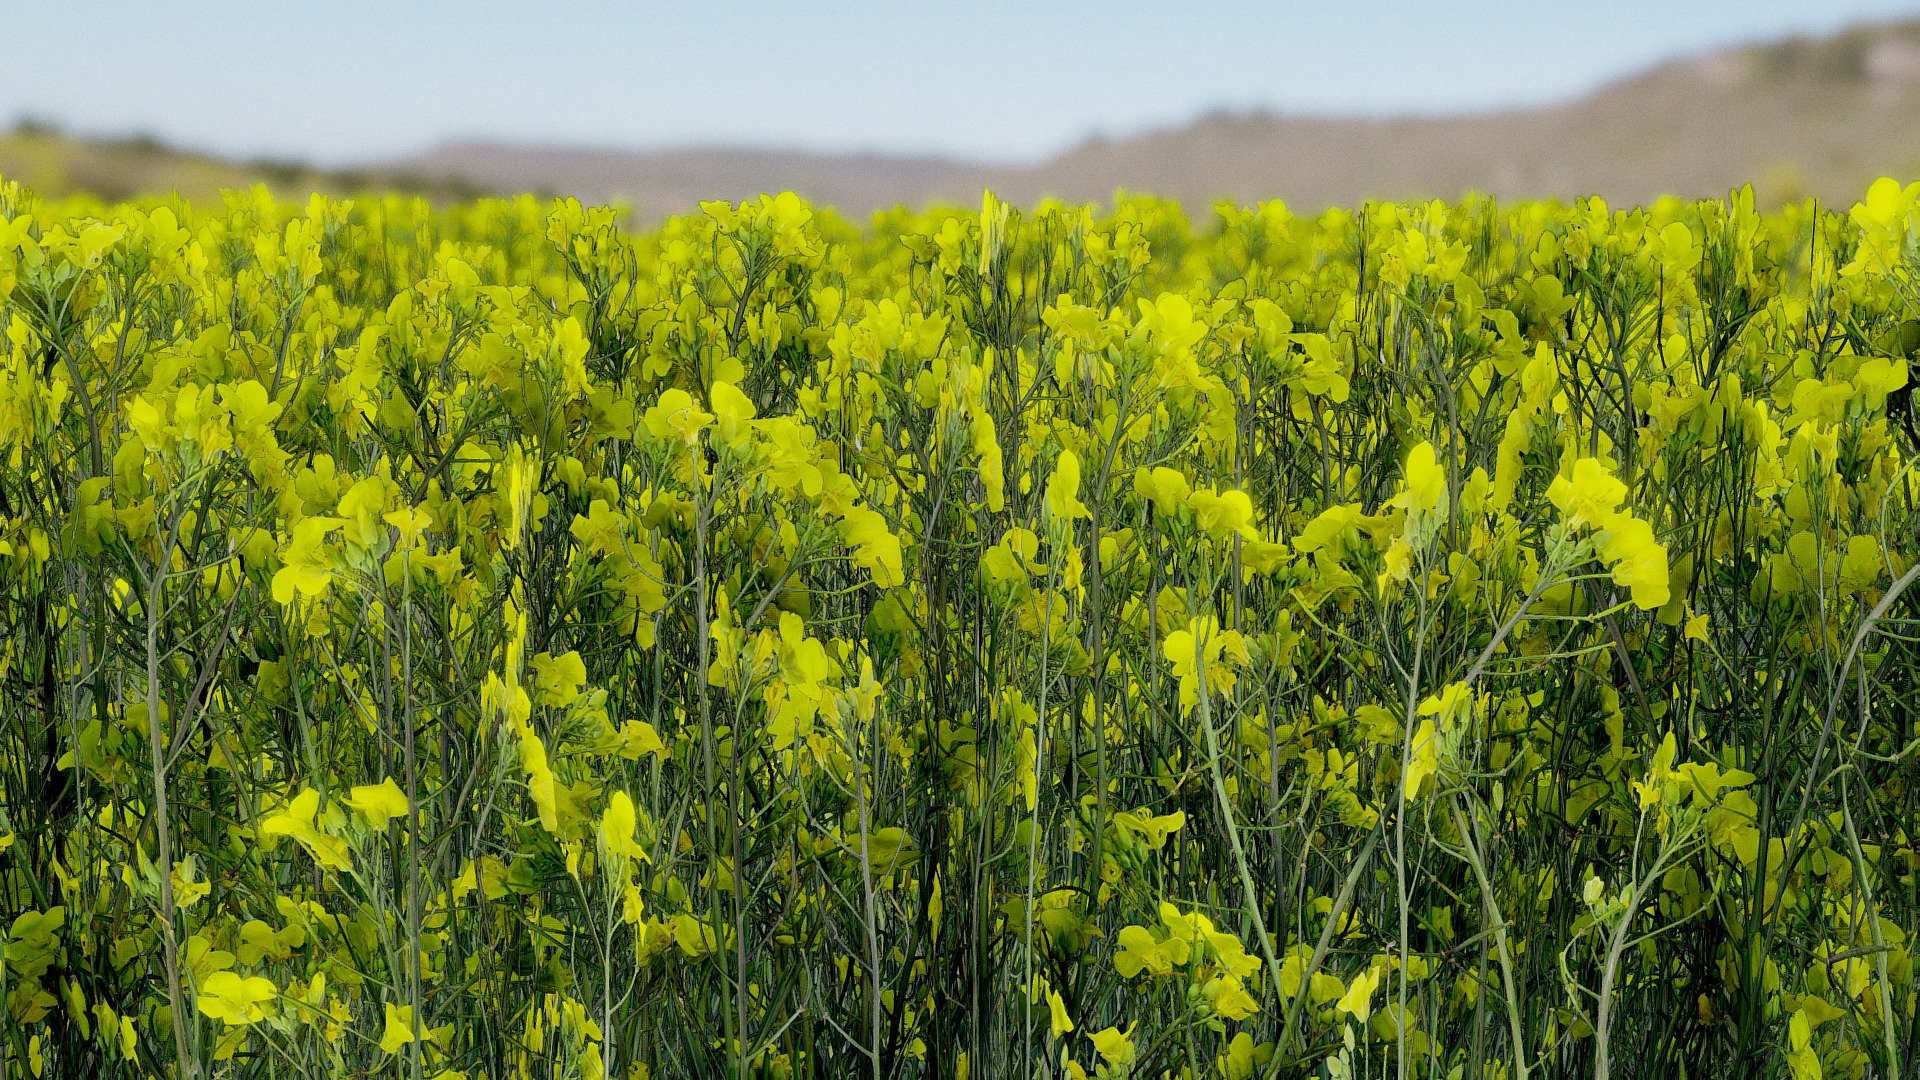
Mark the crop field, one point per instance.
(496, 641)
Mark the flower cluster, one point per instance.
(500, 641)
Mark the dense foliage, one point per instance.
(1439, 641)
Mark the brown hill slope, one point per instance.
(117, 168)
(1806, 116)
(670, 180)
(1820, 116)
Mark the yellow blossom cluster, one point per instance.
(495, 641)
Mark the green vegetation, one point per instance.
(1423, 641)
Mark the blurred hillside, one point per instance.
(51, 162)
(1806, 116)
(1799, 117)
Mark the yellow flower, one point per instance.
(1063, 489)
(127, 1040)
(410, 522)
(616, 828)
(378, 803)
(1168, 328)
(638, 739)
(296, 819)
(1059, 1021)
(1229, 997)
(235, 1001)
(1114, 1046)
(1168, 489)
(676, 418)
(186, 891)
(1357, 1002)
(1426, 491)
(1589, 496)
(1199, 656)
(1639, 562)
(1802, 1057)
(1140, 951)
(541, 786)
(306, 568)
(399, 1031)
(1659, 773)
(732, 411)
(1242, 1057)
(1426, 757)
(875, 548)
(1153, 831)
(1329, 528)
(1223, 515)
(558, 680)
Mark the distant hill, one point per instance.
(53, 163)
(1805, 116)
(676, 179)
(1818, 116)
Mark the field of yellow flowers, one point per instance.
(1448, 640)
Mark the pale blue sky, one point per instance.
(361, 79)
